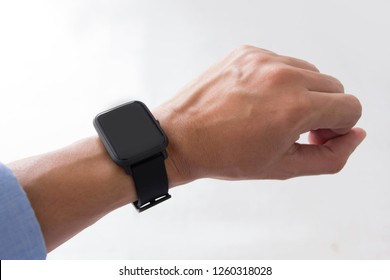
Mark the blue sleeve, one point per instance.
(20, 234)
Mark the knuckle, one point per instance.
(261, 59)
(312, 66)
(280, 74)
(338, 85)
(243, 49)
(357, 106)
(251, 59)
(301, 63)
(354, 108)
(247, 47)
(250, 54)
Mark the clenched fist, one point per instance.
(242, 118)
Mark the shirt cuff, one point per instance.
(20, 233)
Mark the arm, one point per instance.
(72, 188)
(239, 120)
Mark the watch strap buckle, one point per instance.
(149, 204)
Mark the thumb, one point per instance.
(327, 158)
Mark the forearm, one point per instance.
(70, 189)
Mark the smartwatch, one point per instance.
(135, 141)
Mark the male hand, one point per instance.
(242, 118)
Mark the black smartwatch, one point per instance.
(136, 142)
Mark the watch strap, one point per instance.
(151, 182)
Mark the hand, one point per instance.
(243, 117)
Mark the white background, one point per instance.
(61, 62)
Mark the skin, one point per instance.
(240, 120)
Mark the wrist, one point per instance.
(177, 167)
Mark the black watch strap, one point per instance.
(151, 182)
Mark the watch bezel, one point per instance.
(141, 155)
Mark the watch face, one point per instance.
(130, 133)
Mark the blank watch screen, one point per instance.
(131, 130)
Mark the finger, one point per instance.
(299, 63)
(320, 136)
(324, 159)
(315, 81)
(338, 112)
